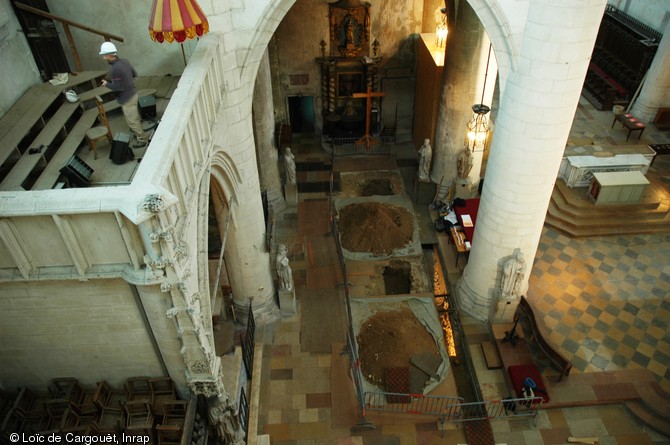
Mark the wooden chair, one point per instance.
(106, 397)
(95, 134)
(170, 430)
(139, 419)
(162, 391)
(110, 421)
(138, 389)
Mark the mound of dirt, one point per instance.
(374, 227)
(389, 340)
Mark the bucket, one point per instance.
(617, 109)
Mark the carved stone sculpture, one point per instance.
(225, 418)
(425, 158)
(514, 271)
(289, 166)
(464, 164)
(284, 272)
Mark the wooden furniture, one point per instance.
(138, 389)
(556, 358)
(459, 240)
(617, 187)
(162, 391)
(106, 397)
(623, 52)
(100, 132)
(631, 123)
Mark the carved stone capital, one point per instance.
(153, 203)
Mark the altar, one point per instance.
(580, 163)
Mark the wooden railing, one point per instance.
(68, 34)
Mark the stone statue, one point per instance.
(225, 418)
(464, 164)
(425, 157)
(289, 166)
(514, 271)
(284, 272)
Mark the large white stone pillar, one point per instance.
(246, 253)
(534, 120)
(655, 92)
(264, 124)
(459, 90)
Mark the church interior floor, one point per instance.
(603, 299)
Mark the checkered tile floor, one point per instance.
(605, 299)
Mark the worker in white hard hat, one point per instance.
(122, 82)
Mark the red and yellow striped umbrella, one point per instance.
(176, 20)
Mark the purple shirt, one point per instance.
(122, 80)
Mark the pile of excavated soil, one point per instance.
(374, 227)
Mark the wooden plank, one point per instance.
(90, 95)
(32, 109)
(164, 86)
(69, 147)
(491, 355)
(28, 161)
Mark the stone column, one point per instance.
(532, 128)
(250, 273)
(264, 123)
(654, 91)
(458, 91)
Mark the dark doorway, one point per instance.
(43, 39)
(301, 113)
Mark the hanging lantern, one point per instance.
(178, 20)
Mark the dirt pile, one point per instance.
(374, 227)
(389, 340)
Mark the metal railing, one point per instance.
(357, 146)
(248, 344)
(244, 413)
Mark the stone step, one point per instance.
(656, 399)
(572, 212)
(648, 417)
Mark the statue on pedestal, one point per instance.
(514, 271)
(425, 158)
(464, 165)
(284, 272)
(225, 417)
(289, 166)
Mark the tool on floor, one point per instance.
(591, 440)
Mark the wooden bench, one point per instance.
(562, 364)
(49, 176)
(29, 110)
(29, 160)
(631, 123)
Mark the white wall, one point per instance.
(17, 70)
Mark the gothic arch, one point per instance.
(497, 26)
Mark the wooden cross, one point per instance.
(368, 110)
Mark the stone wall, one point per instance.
(72, 329)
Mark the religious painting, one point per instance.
(349, 83)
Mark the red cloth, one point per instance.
(519, 373)
(471, 208)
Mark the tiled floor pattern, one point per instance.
(604, 299)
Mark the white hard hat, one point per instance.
(107, 48)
